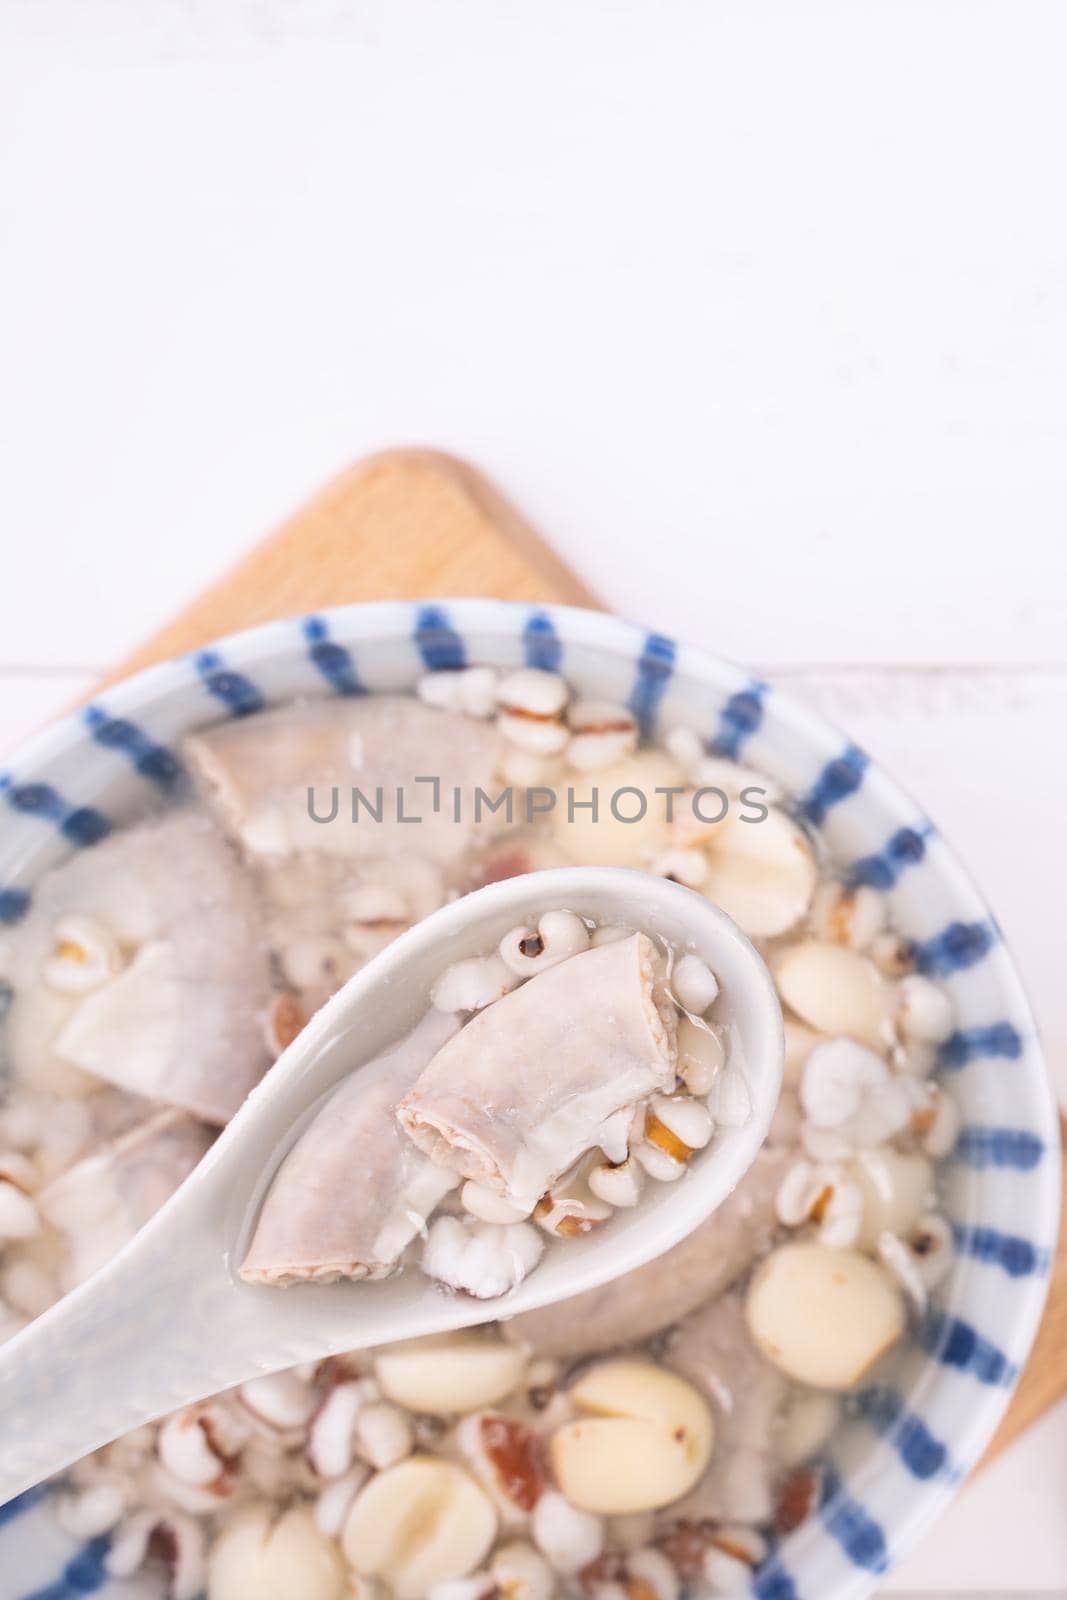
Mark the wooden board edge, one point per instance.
(531, 546)
(359, 547)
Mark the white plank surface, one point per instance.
(784, 279)
(759, 307)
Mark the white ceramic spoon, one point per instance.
(168, 1322)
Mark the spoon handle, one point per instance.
(159, 1327)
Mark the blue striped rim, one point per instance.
(738, 720)
(81, 825)
(22, 1503)
(982, 1147)
(84, 1573)
(541, 644)
(955, 948)
(439, 644)
(333, 660)
(153, 761)
(856, 1531)
(969, 1044)
(882, 869)
(924, 1455)
(1018, 1257)
(237, 692)
(773, 1582)
(14, 904)
(955, 1343)
(837, 780)
(654, 670)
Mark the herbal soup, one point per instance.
(637, 1440)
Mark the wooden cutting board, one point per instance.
(411, 524)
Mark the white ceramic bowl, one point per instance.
(923, 1424)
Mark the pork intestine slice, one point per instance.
(255, 774)
(714, 1350)
(527, 1087)
(353, 1191)
(102, 1201)
(181, 1020)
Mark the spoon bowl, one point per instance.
(169, 1322)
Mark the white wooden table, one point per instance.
(759, 309)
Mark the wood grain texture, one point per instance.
(407, 524)
(411, 524)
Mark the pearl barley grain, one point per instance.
(488, 1206)
(925, 1011)
(657, 1163)
(797, 1193)
(726, 1573)
(520, 1572)
(186, 1449)
(558, 936)
(655, 1575)
(730, 1102)
(484, 1261)
(93, 1511)
(469, 689)
(938, 1122)
(679, 1124)
(853, 917)
(283, 1400)
(694, 984)
(183, 1538)
(701, 1055)
(472, 984)
(540, 736)
(331, 1441)
(686, 747)
(383, 1434)
(618, 1185)
(836, 1078)
(602, 733)
(335, 1501)
(567, 1537)
(532, 692)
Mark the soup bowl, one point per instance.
(912, 1436)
